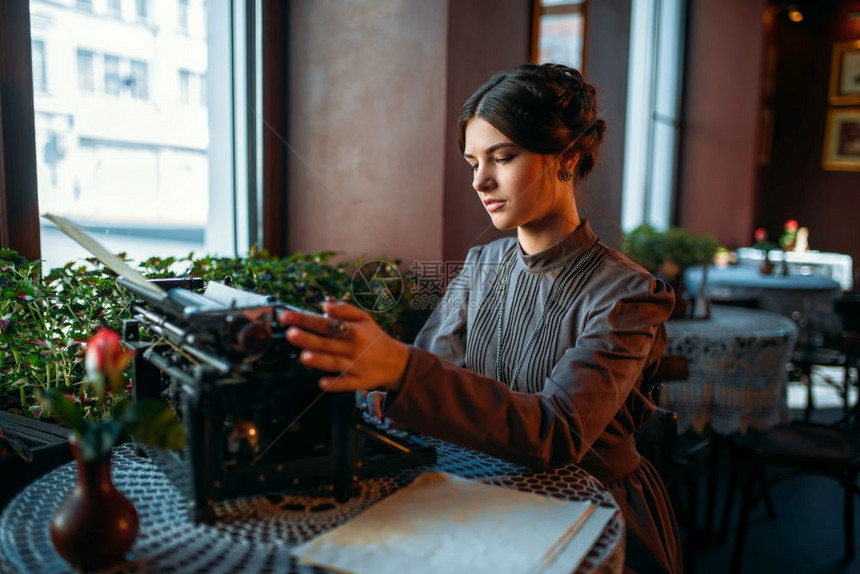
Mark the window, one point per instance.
(39, 78)
(86, 71)
(192, 88)
(85, 5)
(560, 32)
(114, 8)
(141, 10)
(138, 80)
(131, 164)
(113, 81)
(184, 86)
(653, 112)
(183, 15)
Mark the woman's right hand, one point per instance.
(363, 356)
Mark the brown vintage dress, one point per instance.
(576, 396)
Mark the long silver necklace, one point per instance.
(507, 269)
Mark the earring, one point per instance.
(564, 175)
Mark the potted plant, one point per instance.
(667, 254)
(46, 319)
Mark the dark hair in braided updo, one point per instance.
(547, 109)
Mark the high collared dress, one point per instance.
(569, 332)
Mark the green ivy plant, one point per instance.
(45, 321)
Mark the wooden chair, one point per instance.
(841, 351)
(789, 451)
(678, 459)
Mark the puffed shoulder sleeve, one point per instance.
(624, 333)
(619, 332)
(444, 333)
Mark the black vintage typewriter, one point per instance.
(255, 418)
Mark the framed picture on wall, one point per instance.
(842, 140)
(845, 74)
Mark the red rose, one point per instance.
(106, 359)
(760, 235)
(791, 225)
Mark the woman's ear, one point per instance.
(570, 161)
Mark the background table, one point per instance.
(807, 299)
(256, 534)
(738, 374)
(836, 266)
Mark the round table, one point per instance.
(738, 374)
(806, 299)
(256, 534)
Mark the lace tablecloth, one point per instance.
(738, 374)
(807, 299)
(256, 534)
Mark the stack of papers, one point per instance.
(443, 523)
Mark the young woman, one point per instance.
(536, 353)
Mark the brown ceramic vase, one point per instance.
(95, 525)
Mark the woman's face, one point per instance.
(517, 187)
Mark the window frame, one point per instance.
(19, 209)
(139, 89)
(560, 9)
(182, 15)
(112, 81)
(141, 10)
(79, 53)
(114, 8)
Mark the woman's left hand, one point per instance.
(364, 355)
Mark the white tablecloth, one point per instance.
(836, 266)
(807, 299)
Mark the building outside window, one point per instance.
(115, 150)
(85, 5)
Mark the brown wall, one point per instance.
(375, 90)
(794, 185)
(502, 43)
(606, 59)
(367, 106)
(717, 183)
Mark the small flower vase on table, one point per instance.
(96, 525)
(766, 267)
(702, 304)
